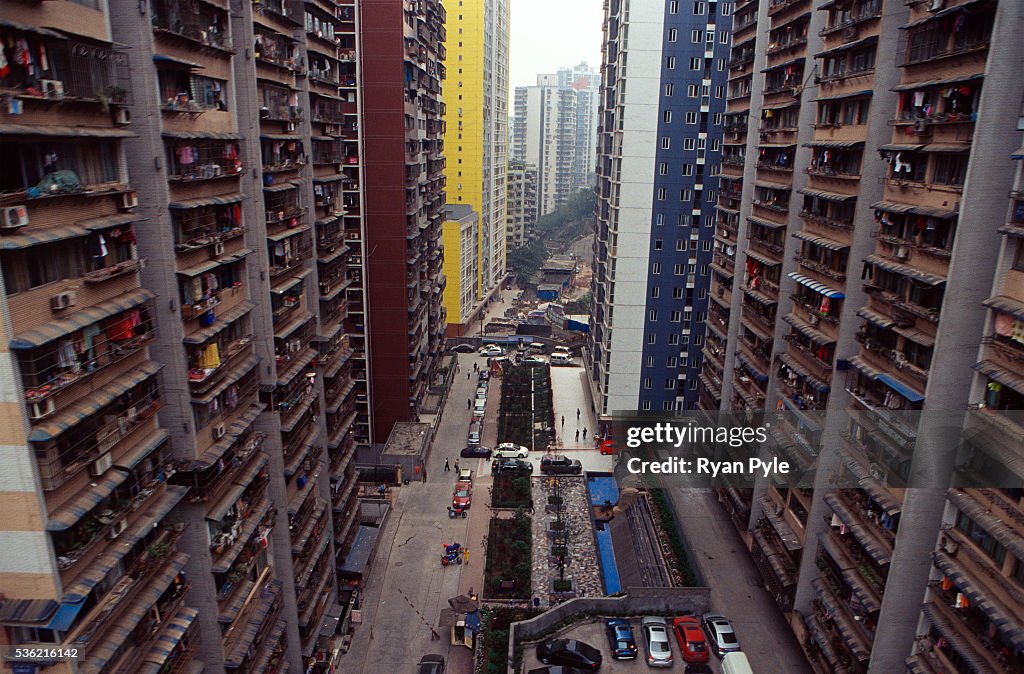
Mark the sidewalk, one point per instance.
(569, 395)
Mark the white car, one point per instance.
(492, 350)
(510, 450)
(533, 360)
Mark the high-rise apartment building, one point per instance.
(522, 202)
(554, 129)
(186, 274)
(476, 143)
(659, 144)
(461, 241)
(861, 256)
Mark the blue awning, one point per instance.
(473, 622)
(64, 616)
(901, 388)
(816, 286)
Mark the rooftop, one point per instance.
(407, 439)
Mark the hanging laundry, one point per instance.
(1017, 332)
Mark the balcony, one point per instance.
(199, 24)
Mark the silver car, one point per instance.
(658, 641)
(721, 636)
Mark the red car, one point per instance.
(692, 642)
(462, 496)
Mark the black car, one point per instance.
(569, 652)
(555, 670)
(484, 375)
(511, 465)
(475, 453)
(554, 464)
(430, 664)
(462, 348)
(698, 668)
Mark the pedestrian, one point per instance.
(577, 414)
(584, 433)
(577, 435)
(468, 375)
(465, 556)
(446, 466)
(469, 403)
(563, 421)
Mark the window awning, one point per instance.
(165, 644)
(932, 16)
(943, 147)
(329, 179)
(97, 400)
(80, 319)
(905, 270)
(989, 522)
(863, 42)
(108, 221)
(780, 106)
(286, 331)
(1004, 620)
(793, 365)
(900, 388)
(876, 490)
(241, 483)
(816, 286)
(753, 254)
(835, 144)
(221, 200)
(290, 282)
(836, 97)
(235, 431)
(236, 374)
(927, 84)
(36, 237)
(325, 139)
(760, 298)
(1017, 154)
(822, 241)
(870, 543)
(203, 267)
(65, 517)
(223, 320)
(953, 635)
(281, 236)
(202, 135)
(758, 332)
(864, 368)
(754, 220)
(27, 612)
(278, 136)
(144, 448)
(7, 23)
(915, 335)
(1007, 305)
(772, 186)
(899, 147)
(852, 636)
(993, 370)
(875, 318)
(64, 131)
(105, 563)
(751, 368)
(785, 64)
(294, 367)
(828, 196)
(807, 330)
(893, 207)
(281, 187)
(163, 59)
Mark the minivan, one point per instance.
(563, 349)
(473, 439)
(736, 663)
(561, 359)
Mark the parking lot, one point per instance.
(594, 633)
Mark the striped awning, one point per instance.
(222, 563)
(783, 573)
(234, 431)
(80, 319)
(1004, 620)
(36, 237)
(851, 94)
(202, 135)
(768, 185)
(28, 612)
(893, 207)
(793, 365)
(785, 64)
(64, 131)
(1006, 305)
(325, 139)
(900, 388)
(278, 136)
(1018, 153)
(834, 144)
(751, 368)
(952, 633)
(816, 286)
(772, 146)
(946, 147)
(221, 200)
(296, 413)
(281, 236)
(760, 298)
(294, 366)
(863, 42)
(1012, 229)
(281, 187)
(117, 637)
(329, 179)
(64, 517)
(143, 526)
(822, 241)
(860, 648)
(864, 368)
(223, 320)
(807, 330)
(285, 331)
(905, 270)
(749, 400)
(208, 265)
(312, 437)
(264, 601)
(93, 403)
(168, 640)
(240, 483)
(765, 223)
(135, 455)
(993, 370)
(872, 545)
(753, 254)
(913, 334)
(827, 196)
(899, 147)
(108, 221)
(875, 318)
(874, 488)
(236, 374)
(938, 14)
(290, 282)
(989, 522)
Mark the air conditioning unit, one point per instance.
(902, 253)
(122, 116)
(40, 409)
(101, 465)
(14, 217)
(218, 431)
(217, 250)
(62, 301)
(52, 88)
(117, 528)
(812, 319)
(128, 200)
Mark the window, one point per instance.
(687, 315)
(680, 244)
(688, 143)
(659, 219)
(710, 37)
(677, 293)
(715, 144)
(720, 65)
(652, 338)
(683, 220)
(705, 245)
(691, 117)
(29, 163)
(663, 169)
(698, 340)
(687, 169)
(691, 91)
(666, 142)
(677, 270)
(949, 169)
(673, 340)
(655, 267)
(719, 93)
(726, 8)
(658, 244)
(692, 384)
(675, 317)
(666, 116)
(696, 63)
(699, 8)
(646, 405)
(670, 62)
(723, 37)
(661, 194)
(652, 315)
(686, 195)
(648, 383)
(1018, 259)
(650, 361)
(673, 34)
(716, 119)
(666, 406)
(655, 291)
(671, 361)
(695, 361)
(696, 37)
(669, 89)
(670, 384)
(673, 7)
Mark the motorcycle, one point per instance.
(452, 554)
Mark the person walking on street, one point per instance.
(577, 435)
(446, 466)
(456, 465)
(469, 404)
(577, 414)
(563, 421)
(584, 433)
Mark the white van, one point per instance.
(736, 663)
(563, 349)
(561, 359)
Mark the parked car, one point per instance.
(430, 664)
(621, 639)
(659, 646)
(473, 436)
(462, 348)
(721, 636)
(692, 642)
(698, 668)
(484, 375)
(553, 464)
(569, 652)
(533, 360)
(510, 449)
(562, 359)
(465, 475)
(481, 393)
(492, 350)
(511, 466)
(557, 669)
(477, 452)
(735, 662)
(462, 496)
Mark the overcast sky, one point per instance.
(548, 34)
